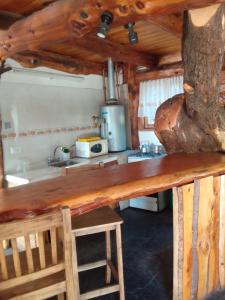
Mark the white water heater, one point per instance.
(113, 127)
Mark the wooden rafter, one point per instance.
(118, 52)
(80, 17)
(59, 62)
(169, 59)
(170, 71)
(93, 44)
(161, 73)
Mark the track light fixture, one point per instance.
(106, 21)
(132, 35)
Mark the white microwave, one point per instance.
(92, 148)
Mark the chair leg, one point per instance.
(120, 261)
(108, 256)
(60, 297)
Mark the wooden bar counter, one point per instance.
(198, 183)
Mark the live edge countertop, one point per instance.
(91, 189)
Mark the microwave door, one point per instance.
(97, 148)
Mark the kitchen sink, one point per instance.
(65, 163)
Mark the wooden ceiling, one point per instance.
(43, 29)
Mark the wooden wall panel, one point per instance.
(133, 103)
(199, 238)
(188, 194)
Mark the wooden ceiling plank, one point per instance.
(58, 62)
(56, 21)
(170, 23)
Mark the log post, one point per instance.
(203, 52)
(133, 103)
(196, 121)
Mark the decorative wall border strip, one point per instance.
(38, 132)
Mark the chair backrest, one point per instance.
(88, 167)
(19, 267)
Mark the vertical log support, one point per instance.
(203, 52)
(199, 233)
(133, 103)
(195, 121)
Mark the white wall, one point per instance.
(43, 112)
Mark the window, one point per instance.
(152, 94)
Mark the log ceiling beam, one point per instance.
(160, 74)
(57, 21)
(58, 62)
(173, 70)
(118, 52)
(92, 43)
(169, 59)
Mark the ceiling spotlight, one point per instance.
(132, 35)
(106, 21)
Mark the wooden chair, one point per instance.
(88, 167)
(101, 220)
(41, 272)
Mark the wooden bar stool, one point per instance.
(101, 220)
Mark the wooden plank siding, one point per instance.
(199, 250)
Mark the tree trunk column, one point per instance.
(203, 52)
(195, 121)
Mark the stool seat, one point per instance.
(95, 220)
(103, 219)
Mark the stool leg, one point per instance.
(108, 255)
(120, 261)
(75, 271)
(60, 297)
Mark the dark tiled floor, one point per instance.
(147, 251)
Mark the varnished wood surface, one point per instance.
(88, 190)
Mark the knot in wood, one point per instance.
(204, 247)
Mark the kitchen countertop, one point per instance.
(46, 172)
(88, 190)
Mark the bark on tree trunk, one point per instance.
(199, 123)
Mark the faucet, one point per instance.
(56, 148)
(52, 159)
